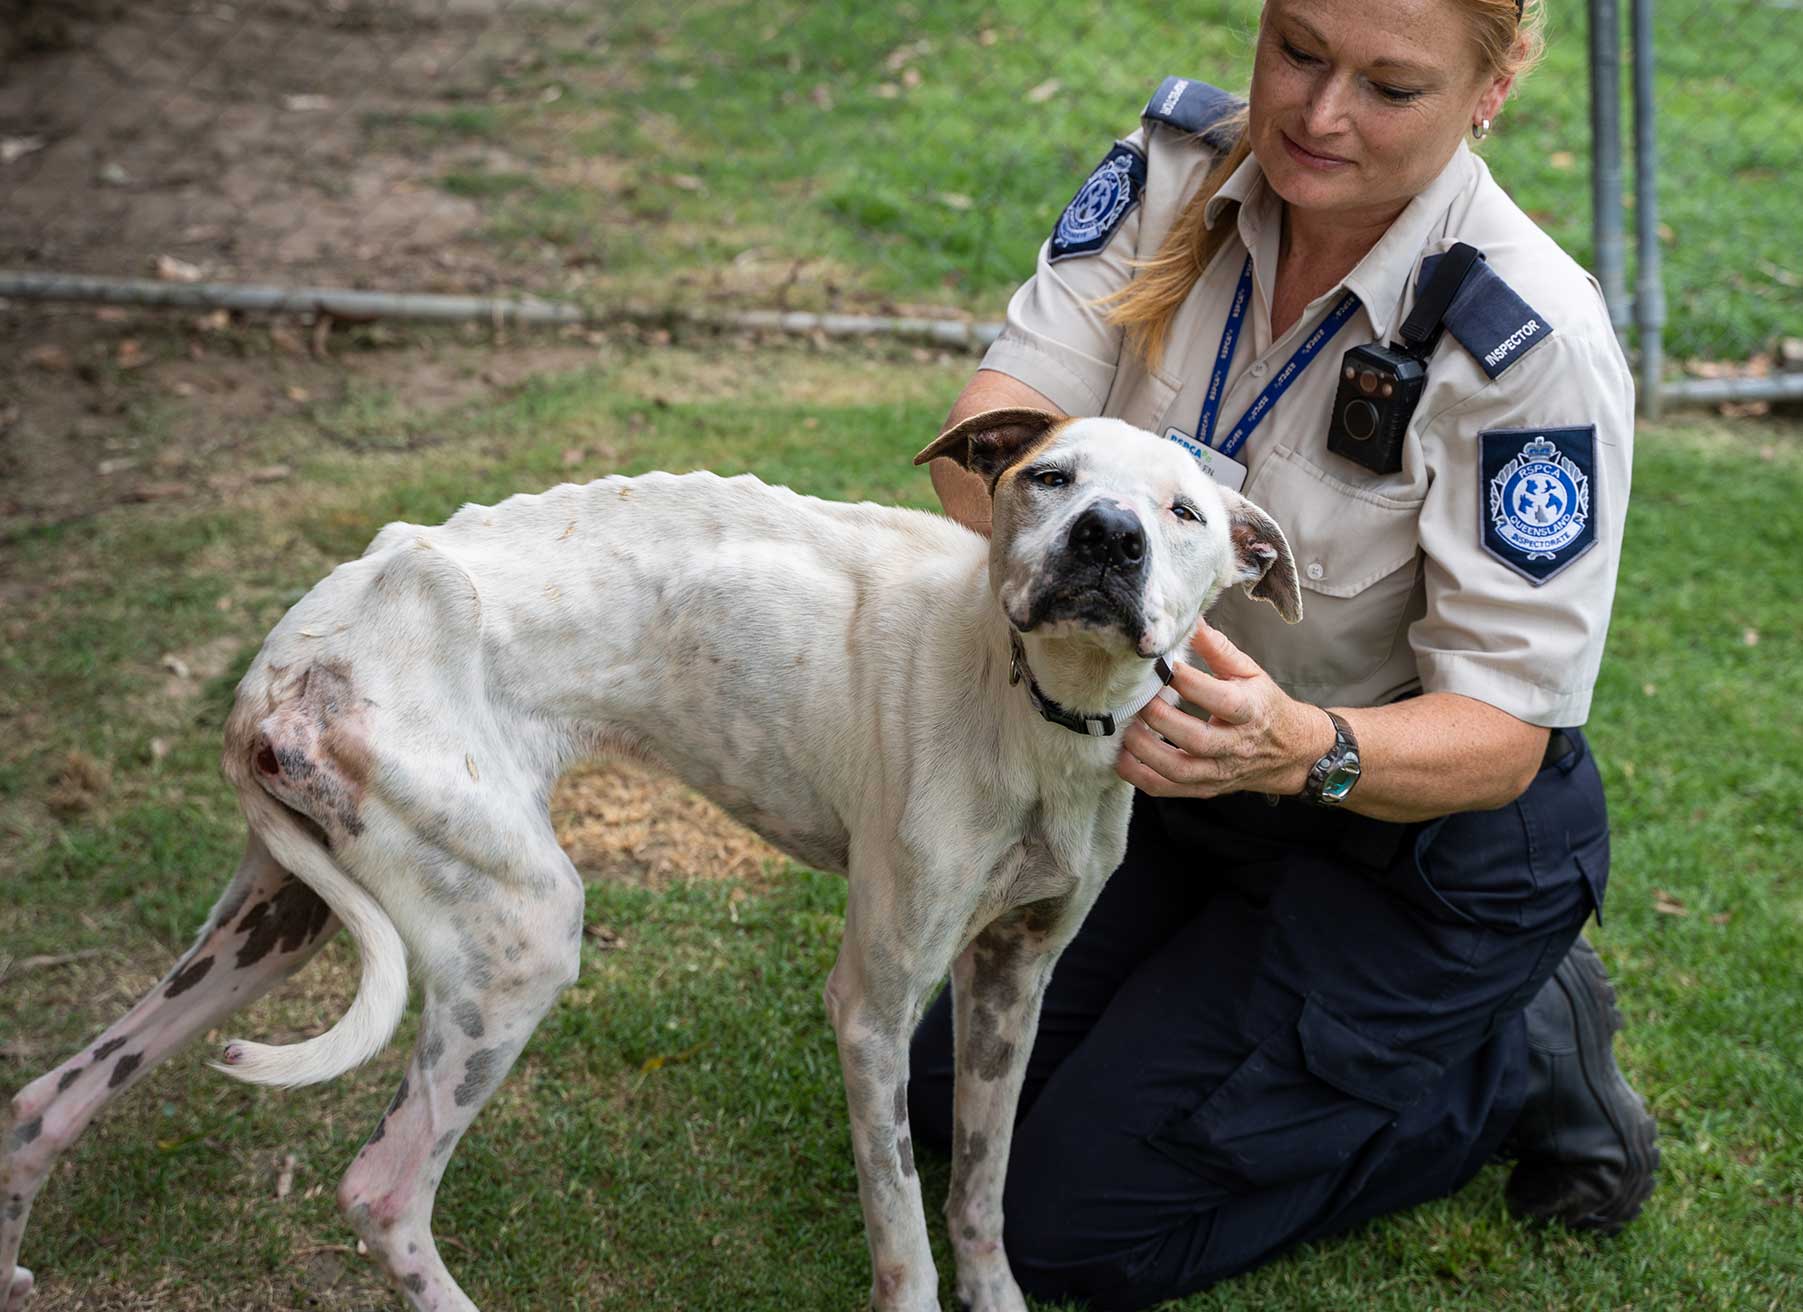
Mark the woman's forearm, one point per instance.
(1425, 757)
(1436, 754)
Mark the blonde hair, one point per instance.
(1508, 46)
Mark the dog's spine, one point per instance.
(369, 1023)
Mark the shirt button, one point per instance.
(1315, 570)
(1258, 369)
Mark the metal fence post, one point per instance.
(1605, 173)
(1649, 292)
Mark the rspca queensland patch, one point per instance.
(1109, 196)
(1536, 486)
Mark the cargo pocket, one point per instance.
(1593, 864)
(1473, 868)
(1305, 1103)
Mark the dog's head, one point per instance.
(1105, 532)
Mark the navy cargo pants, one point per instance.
(1278, 1022)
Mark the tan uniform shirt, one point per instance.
(1400, 591)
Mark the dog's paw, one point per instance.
(14, 1298)
(993, 1292)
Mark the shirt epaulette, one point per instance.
(1195, 107)
(1489, 320)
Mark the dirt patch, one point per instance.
(621, 821)
(295, 142)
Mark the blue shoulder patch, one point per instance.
(1489, 319)
(1192, 106)
(1089, 222)
(1534, 487)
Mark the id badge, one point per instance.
(1224, 469)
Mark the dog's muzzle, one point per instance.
(1098, 577)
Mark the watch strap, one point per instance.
(1345, 747)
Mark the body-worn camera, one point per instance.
(1381, 385)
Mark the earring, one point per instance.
(1480, 129)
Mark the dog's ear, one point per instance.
(1262, 558)
(988, 443)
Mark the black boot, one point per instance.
(1585, 1140)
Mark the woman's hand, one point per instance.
(1256, 737)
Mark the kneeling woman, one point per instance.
(1340, 966)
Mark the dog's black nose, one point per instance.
(1108, 534)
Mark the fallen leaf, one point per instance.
(903, 55)
(986, 37)
(1562, 159)
(1721, 917)
(112, 314)
(306, 104)
(284, 1178)
(1650, 689)
(270, 473)
(17, 148)
(1667, 905)
(115, 465)
(1044, 91)
(216, 322)
(176, 665)
(910, 78)
(687, 181)
(294, 393)
(49, 356)
(887, 91)
(159, 748)
(573, 457)
(171, 269)
(669, 1059)
(1750, 637)
(955, 200)
(603, 937)
(130, 354)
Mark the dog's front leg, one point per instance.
(997, 984)
(874, 996)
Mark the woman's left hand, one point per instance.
(1255, 736)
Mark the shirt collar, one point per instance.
(1382, 279)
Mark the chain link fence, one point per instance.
(785, 156)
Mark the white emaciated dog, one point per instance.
(838, 677)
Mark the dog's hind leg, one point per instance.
(264, 928)
(997, 985)
(489, 978)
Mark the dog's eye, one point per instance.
(1183, 510)
(1051, 478)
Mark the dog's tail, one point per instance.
(364, 1029)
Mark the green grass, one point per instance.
(794, 139)
(722, 1177)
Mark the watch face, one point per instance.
(1340, 779)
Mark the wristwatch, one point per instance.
(1331, 778)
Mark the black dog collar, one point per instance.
(1096, 724)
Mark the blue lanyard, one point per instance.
(1279, 384)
